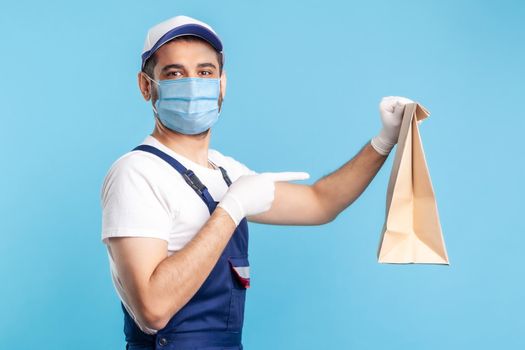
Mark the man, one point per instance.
(175, 212)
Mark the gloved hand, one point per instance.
(254, 194)
(391, 109)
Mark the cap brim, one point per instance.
(186, 29)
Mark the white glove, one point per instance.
(391, 109)
(254, 194)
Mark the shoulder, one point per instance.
(134, 200)
(234, 167)
(134, 168)
(137, 162)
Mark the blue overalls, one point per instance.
(213, 318)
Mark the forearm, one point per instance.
(341, 188)
(178, 277)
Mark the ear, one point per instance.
(144, 86)
(223, 84)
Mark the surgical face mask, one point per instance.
(188, 105)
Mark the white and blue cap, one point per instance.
(174, 27)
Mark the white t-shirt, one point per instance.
(143, 196)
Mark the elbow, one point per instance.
(329, 209)
(154, 309)
(328, 218)
(324, 211)
(152, 313)
(326, 214)
(153, 318)
(156, 315)
(319, 217)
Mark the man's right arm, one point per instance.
(157, 285)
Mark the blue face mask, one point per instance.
(188, 105)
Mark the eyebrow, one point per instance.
(202, 65)
(170, 66)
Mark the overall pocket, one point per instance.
(240, 269)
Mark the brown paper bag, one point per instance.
(412, 232)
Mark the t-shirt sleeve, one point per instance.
(132, 204)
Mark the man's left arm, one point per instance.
(320, 203)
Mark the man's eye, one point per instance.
(174, 74)
(206, 72)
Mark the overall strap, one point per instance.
(188, 175)
(225, 176)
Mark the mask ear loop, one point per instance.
(220, 79)
(156, 82)
(222, 100)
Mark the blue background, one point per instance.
(305, 79)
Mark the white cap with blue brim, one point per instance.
(174, 27)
